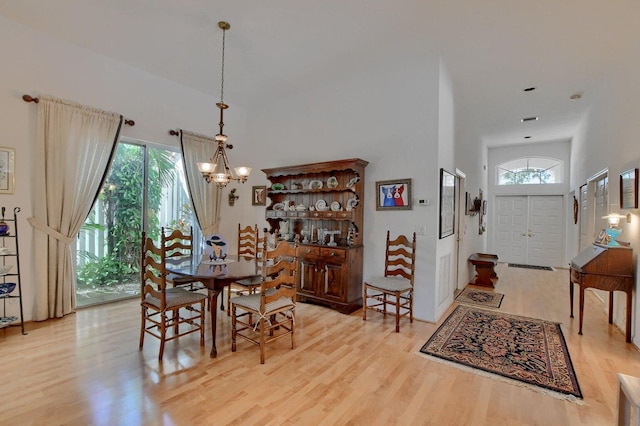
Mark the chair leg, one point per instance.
(228, 300)
(142, 326)
(232, 308)
(262, 344)
(364, 302)
(163, 334)
(397, 312)
(411, 307)
(293, 325)
(202, 321)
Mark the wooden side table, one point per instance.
(485, 272)
(628, 396)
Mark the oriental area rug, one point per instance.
(484, 298)
(524, 351)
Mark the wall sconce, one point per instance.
(233, 197)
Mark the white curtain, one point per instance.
(205, 197)
(75, 145)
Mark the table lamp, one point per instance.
(613, 231)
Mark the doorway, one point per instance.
(530, 229)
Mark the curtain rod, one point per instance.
(29, 98)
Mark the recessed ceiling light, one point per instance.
(529, 89)
(528, 119)
(527, 137)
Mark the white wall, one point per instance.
(608, 139)
(384, 113)
(381, 112)
(35, 64)
(446, 255)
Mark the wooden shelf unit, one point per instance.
(329, 275)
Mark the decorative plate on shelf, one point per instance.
(353, 181)
(278, 206)
(351, 203)
(315, 184)
(332, 182)
(321, 205)
(4, 269)
(335, 206)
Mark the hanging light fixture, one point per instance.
(218, 170)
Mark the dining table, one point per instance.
(215, 275)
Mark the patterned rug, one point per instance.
(520, 265)
(485, 298)
(529, 351)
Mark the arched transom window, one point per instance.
(530, 171)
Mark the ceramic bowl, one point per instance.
(6, 288)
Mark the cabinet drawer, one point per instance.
(315, 214)
(333, 252)
(344, 215)
(308, 251)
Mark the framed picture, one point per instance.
(393, 194)
(259, 195)
(7, 170)
(602, 237)
(629, 189)
(447, 203)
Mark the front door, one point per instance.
(530, 229)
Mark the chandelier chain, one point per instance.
(224, 32)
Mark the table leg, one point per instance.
(571, 297)
(610, 307)
(213, 308)
(581, 308)
(628, 325)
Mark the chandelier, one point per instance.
(218, 169)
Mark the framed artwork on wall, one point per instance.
(447, 203)
(7, 170)
(259, 195)
(629, 189)
(393, 194)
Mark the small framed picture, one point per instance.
(393, 194)
(259, 195)
(602, 237)
(629, 189)
(7, 170)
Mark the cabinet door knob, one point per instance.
(333, 253)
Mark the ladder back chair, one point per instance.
(395, 288)
(273, 306)
(177, 243)
(248, 242)
(163, 308)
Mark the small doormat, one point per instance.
(542, 268)
(474, 296)
(524, 351)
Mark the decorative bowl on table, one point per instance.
(4, 269)
(6, 288)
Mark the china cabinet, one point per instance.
(322, 204)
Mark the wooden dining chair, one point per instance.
(273, 307)
(248, 242)
(177, 243)
(395, 287)
(165, 308)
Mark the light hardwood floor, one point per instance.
(86, 369)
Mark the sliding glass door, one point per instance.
(144, 189)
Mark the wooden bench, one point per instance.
(485, 272)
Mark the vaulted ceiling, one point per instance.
(493, 48)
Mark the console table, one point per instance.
(485, 272)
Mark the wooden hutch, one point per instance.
(322, 203)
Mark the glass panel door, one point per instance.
(108, 246)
